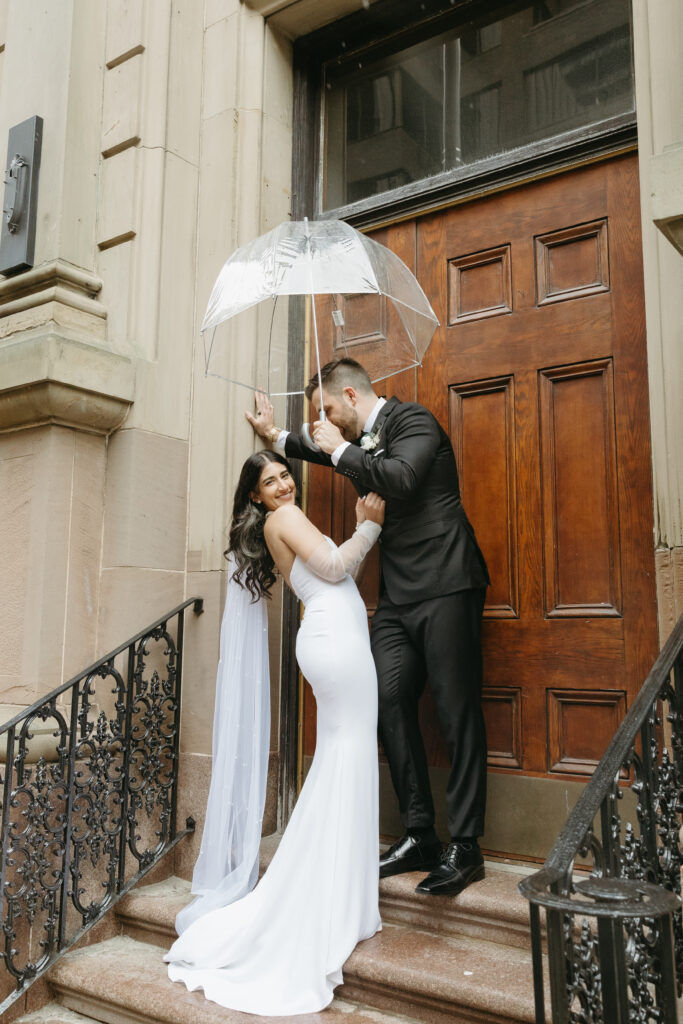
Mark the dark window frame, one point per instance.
(375, 31)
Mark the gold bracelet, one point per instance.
(272, 434)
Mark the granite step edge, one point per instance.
(143, 994)
(437, 977)
(419, 975)
(54, 1013)
(491, 910)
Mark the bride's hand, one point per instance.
(370, 507)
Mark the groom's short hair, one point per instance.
(340, 374)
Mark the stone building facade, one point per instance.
(169, 131)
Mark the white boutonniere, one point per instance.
(370, 441)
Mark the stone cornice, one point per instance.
(49, 378)
(56, 281)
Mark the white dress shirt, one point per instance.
(279, 445)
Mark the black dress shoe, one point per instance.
(461, 864)
(412, 853)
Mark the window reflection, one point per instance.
(549, 68)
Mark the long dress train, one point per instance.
(280, 949)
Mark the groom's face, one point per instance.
(340, 409)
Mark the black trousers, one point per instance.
(440, 640)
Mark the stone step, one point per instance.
(54, 1013)
(429, 978)
(491, 909)
(123, 981)
(441, 979)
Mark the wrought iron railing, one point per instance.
(615, 939)
(88, 791)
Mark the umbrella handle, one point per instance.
(308, 440)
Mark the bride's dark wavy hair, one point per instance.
(254, 563)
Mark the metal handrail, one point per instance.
(632, 968)
(197, 602)
(90, 806)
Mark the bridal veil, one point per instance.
(227, 866)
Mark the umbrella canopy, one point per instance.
(316, 258)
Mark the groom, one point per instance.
(428, 619)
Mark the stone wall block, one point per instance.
(212, 468)
(665, 25)
(146, 253)
(217, 10)
(146, 499)
(220, 65)
(202, 649)
(114, 266)
(185, 80)
(658, 30)
(4, 11)
(121, 104)
(125, 21)
(117, 214)
(78, 203)
(669, 569)
(217, 426)
(85, 546)
(163, 386)
(194, 779)
(18, 472)
(248, 213)
(42, 44)
(155, 92)
(62, 49)
(132, 598)
(251, 60)
(278, 83)
(276, 201)
(58, 464)
(37, 471)
(215, 219)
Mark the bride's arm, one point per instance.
(290, 525)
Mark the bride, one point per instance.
(279, 949)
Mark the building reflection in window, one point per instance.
(548, 68)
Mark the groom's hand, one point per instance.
(262, 419)
(327, 436)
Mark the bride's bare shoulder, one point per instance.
(283, 518)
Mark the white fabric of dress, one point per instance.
(280, 949)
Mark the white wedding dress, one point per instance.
(280, 949)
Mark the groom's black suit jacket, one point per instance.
(428, 547)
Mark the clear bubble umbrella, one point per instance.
(369, 306)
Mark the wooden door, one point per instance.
(539, 374)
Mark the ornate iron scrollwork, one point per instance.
(98, 782)
(611, 961)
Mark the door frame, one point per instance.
(368, 30)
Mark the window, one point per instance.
(472, 93)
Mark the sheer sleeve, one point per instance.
(332, 563)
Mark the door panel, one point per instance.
(539, 374)
(579, 491)
(536, 371)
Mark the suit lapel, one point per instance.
(385, 411)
